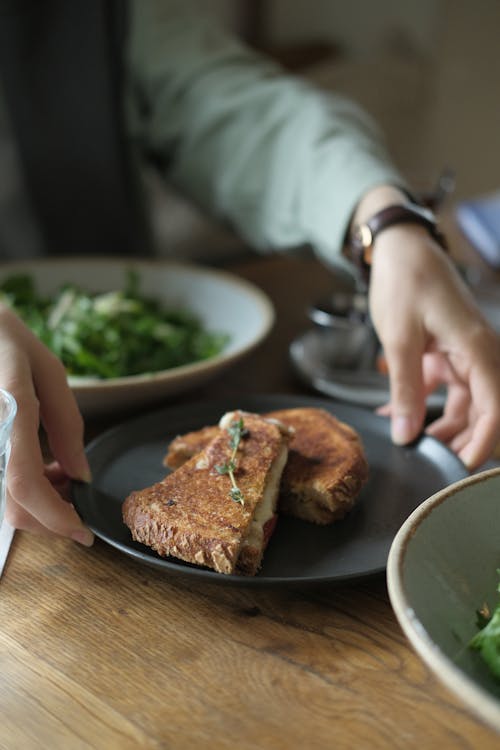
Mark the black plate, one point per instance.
(129, 457)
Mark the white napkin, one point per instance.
(6, 536)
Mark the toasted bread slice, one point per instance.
(326, 465)
(183, 447)
(191, 515)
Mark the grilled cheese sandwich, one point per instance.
(325, 470)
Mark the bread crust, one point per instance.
(190, 514)
(183, 447)
(326, 467)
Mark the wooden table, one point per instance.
(98, 651)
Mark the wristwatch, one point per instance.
(363, 236)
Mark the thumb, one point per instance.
(407, 391)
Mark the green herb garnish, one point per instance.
(112, 334)
(487, 640)
(236, 431)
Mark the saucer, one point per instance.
(320, 359)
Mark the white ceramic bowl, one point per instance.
(442, 568)
(222, 300)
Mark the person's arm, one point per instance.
(432, 333)
(284, 163)
(289, 165)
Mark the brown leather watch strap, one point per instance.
(363, 235)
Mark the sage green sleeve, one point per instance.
(281, 161)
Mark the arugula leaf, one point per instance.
(487, 640)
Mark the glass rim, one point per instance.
(11, 405)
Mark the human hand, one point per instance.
(432, 333)
(37, 380)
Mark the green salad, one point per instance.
(112, 334)
(487, 639)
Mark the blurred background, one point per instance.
(427, 70)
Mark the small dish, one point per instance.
(342, 365)
(442, 569)
(224, 302)
(340, 309)
(338, 356)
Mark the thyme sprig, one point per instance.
(237, 431)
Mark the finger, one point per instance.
(436, 371)
(59, 480)
(455, 417)
(481, 444)
(460, 440)
(471, 436)
(481, 373)
(19, 518)
(404, 360)
(55, 473)
(384, 410)
(29, 489)
(60, 416)
(27, 484)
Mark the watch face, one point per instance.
(365, 235)
(361, 243)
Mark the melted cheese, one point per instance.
(267, 507)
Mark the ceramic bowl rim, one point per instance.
(475, 698)
(265, 317)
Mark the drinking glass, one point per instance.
(8, 409)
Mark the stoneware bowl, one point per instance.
(224, 302)
(442, 569)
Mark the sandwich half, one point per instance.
(219, 508)
(326, 467)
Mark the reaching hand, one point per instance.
(38, 382)
(432, 333)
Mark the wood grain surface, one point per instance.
(98, 651)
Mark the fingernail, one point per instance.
(402, 430)
(85, 475)
(83, 536)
